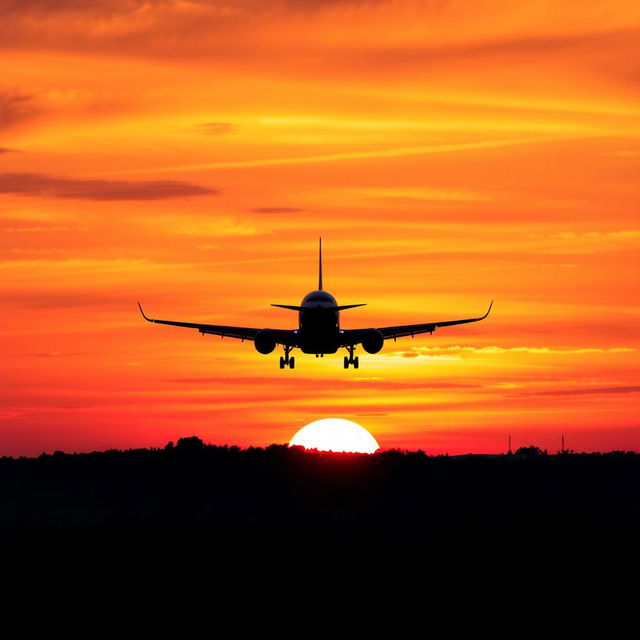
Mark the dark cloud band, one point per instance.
(580, 392)
(35, 184)
(14, 107)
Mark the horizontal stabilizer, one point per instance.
(313, 307)
(287, 306)
(350, 306)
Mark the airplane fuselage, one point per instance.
(319, 323)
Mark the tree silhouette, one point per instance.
(531, 451)
(226, 500)
(190, 443)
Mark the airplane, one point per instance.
(318, 329)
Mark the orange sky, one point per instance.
(189, 153)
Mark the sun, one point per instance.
(335, 434)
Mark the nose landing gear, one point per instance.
(287, 361)
(350, 359)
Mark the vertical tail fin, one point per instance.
(320, 266)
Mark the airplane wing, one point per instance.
(414, 329)
(241, 333)
(354, 336)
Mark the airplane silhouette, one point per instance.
(318, 329)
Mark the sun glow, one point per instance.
(335, 434)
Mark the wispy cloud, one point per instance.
(626, 153)
(397, 152)
(617, 234)
(592, 390)
(32, 229)
(214, 128)
(53, 354)
(15, 107)
(458, 351)
(44, 186)
(434, 194)
(209, 226)
(480, 51)
(276, 210)
(63, 300)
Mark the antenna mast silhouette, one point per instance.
(320, 265)
(510, 444)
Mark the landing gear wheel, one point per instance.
(350, 359)
(286, 361)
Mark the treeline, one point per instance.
(227, 497)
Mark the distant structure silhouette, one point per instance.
(318, 329)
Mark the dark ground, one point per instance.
(216, 501)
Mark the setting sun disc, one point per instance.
(335, 434)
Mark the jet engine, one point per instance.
(372, 341)
(265, 341)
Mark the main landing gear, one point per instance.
(350, 359)
(287, 361)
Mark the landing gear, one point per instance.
(287, 361)
(350, 359)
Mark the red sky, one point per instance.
(189, 153)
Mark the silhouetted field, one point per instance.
(224, 500)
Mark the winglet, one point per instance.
(488, 310)
(142, 312)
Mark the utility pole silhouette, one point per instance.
(510, 445)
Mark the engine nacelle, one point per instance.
(265, 341)
(373, 341)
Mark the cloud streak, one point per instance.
(398, 152)
(458, 351)
(14, 108)
(477, 52)
(214, 128)
(44, 186)
(275, 210)
(593, 390)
